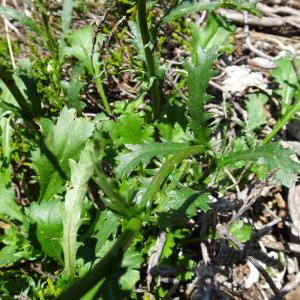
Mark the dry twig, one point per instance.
(225, 233)
(251, 199)
(154, 258)
(8, 39)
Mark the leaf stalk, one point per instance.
(156, 86)
(284, 120)
(100, 89)
(165, 170)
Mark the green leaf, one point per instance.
(168, 246)
(164, 171)
(48, 219)
(284, 74)
(105, 268)
(255, 109)
(12, 14)
(111, 288)
(172, 132)
(6, 132)
(200, 72)
(33, 97)
(66, 16)
(242, 232)
(215, 33)
(132, 261)
(143, 154)
(16, 247)
(6, 96)
(8, 205)
(128, 276)
(7, 256)
(65, 140)
(188, 7)
(72, 89)
(130, 129)
(20, 93)
(272, 157)
(137, 41)
(248, 5)
(105, 227)
(187, 202)
(81, 45)
(72, 214)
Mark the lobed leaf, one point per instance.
(20, 94)
(200, 72)
(14, 247)
(81, 47)
(137, 41)
(8, 255)
(132, 261)
(107, 225)
(186, 202)
(143, 154)
(130, 273)
(215, 34)
(72, 89)
(64, 141)
(130, 129)
(272, 156)
(188, 7)
(72, 213)
(49, 227)
(8, 205)
(66, 16)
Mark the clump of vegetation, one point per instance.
(98, 190)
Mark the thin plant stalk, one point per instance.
(99, 86)
(289, 114)
(156, 86)
(50, 40)
(11, 54)
(165, 170)
(284, 120)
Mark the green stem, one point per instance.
(156, 87)
(164, 171)
(284, 120)
(102, 95)
(105, 266)
(50, 40)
